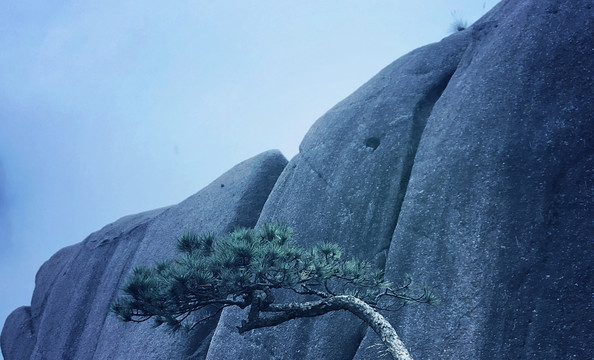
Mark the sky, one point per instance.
(111, 108)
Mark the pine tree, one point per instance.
(245, 267)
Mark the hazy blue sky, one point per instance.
(114, 107)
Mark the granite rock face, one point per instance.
(347, 185)
(468, 163)
(488, 137)
(68, 317)
(499, 210)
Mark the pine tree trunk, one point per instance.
(276, 314)
(377, 322)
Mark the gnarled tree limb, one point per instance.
(276, 314)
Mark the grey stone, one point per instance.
(497, 185)
(347, 185)
(499, 212)
(19, 341)
(468, 163)
(69, 315)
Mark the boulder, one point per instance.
(18, 342)
(69, 314)
(498, 214)
(347, 185)
(487, 136)
(468, 163)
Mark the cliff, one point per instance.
(468, 163)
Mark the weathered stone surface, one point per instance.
(347, 185)
(468, 163)
(69, 319)
(21, 338)
(499, 211)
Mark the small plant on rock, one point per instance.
(458, 25)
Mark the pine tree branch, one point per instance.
(276, 314)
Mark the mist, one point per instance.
(4, 223)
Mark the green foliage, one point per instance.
(193, 244)
(241, 269)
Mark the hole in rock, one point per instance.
(372, 142)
